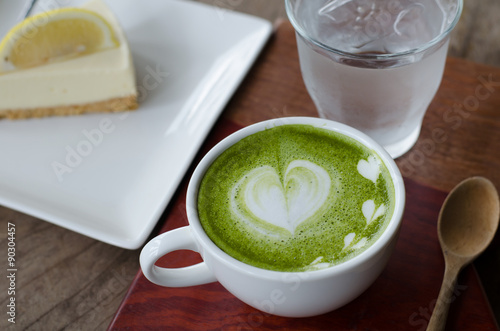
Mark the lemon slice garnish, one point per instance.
(53, 36)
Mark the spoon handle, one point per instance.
(440, 313)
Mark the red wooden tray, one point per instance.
(401, 299)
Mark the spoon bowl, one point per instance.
(467, 224)
(469, 218)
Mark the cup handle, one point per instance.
(165, 243)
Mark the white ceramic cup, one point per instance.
(291, 294)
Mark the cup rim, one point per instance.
(436, 40)
(208, 245)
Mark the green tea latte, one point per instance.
(295, 198)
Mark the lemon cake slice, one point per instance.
(67, 61)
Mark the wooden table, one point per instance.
(404, 294)
(66, 280)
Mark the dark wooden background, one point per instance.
(68, 281)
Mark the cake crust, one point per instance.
(106, 106)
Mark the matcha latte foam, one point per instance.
(295, 198)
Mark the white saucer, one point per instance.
(189, 58)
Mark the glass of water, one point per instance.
(374, 64)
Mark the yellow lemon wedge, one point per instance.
(55, 35)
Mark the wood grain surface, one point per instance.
(68, 281)
(403, 297)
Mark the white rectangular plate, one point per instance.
(110, 176)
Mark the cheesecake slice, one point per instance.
(103, 81)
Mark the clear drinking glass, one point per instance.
(374, 64)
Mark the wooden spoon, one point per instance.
(466, 225)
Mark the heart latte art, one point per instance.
(260, 198)
(295, 198)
